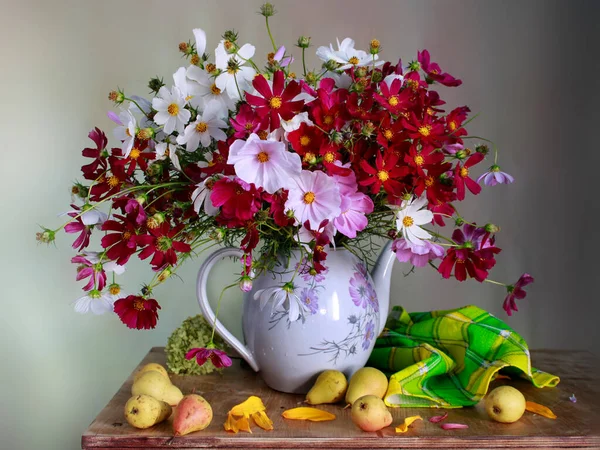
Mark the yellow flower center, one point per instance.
(214, 89)
(210, 67)
(188, 98)
(452, 125)
(113, 181)
(393, 100)
(329, 157)
(309, 197)
(249, 126)
(138, 304)
(201, 127)
(309, 157)
(126, 235)
(304, 141)
(319, 248)
(114, 290)
(262, 157)
(430, 111)
(275, 102)
(152, 223)
(413, 84)
(232, 70)
(173, 109)
(383, 175)
(464, 172)
(262, 134)
(388, 134)
(327, 120)
(135, 153)
(419, 160)
(429, 181)
(354, 60)
(408, 221)
(425, 130)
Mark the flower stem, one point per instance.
(218, 308)
(270, 35)
(304, 61)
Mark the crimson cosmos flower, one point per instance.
(137, 312)
(162, 244)
(392, 99)
(245, 122)
(516, 292)
(90, 171)
(385, 173)
(462, 178)
(434, 72)
(121, 244)
(276, 102)
(218, 357)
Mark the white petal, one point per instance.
(247, 51)
(294, 310)
(82, 305)
(200, 37)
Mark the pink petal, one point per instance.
(454, 426)
(436, 419)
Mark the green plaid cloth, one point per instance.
(448, 358)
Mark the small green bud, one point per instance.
(482, 148)
(46, 236)
(361, 72)
(331, 65)
(414, 65)
(155, 84)
(491, 228)
(165, 274)
(141, 199)
(375, 46)
(377, 76)
(459, 222)
(311, 78)
(230, 35)
(336, 137)
(217, 235)
(367, 129)
(117, 97)
(267, 9)
(303, 42)
(461, 154)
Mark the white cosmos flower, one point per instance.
(171, 112)
(279, 295)
(189, 89)
(201, 196)
(267, 164)
(169, 144)
(95, 301)
(294, 123)
(347, 55)
(409, 218)
(226, 81)
(315, 197)
(126, 131)
(207, 126)
(206, 88)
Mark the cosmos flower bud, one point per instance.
(311, 78)
(414, 65)
(195, 59)
(165, 274)
(155, 84)
(114, 289)
(482, 148)
(303, 42)
(459, 222)
(491, 228)
(331, 65)
(117, 97)
(267, 9)
(141, 199)
(461, 154)
(217, 235)
(210, 68)
(336, 137)
(230, 35)
(145, 133)
(246, 283)
(184, 47)
(377, 76)
(375, 47)
(361, 72)
(46, 236)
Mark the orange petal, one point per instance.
(306, 413)
(542, 410)
(231, 424)
(403, 427)
(262, 420)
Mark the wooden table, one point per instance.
(577, 426)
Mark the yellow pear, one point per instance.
(143, 411)
(366, 381)
(153, 383)
(370, 413)
(329, 387)
(152, 366)
(505, 404)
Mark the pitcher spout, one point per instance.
(382, 277)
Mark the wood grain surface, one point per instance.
(577, 426)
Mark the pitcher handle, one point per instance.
(207, 311)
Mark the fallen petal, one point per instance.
(437, 419)
(403, 427)
(231, 424)
(244, 425)
(542, 410)
(251, 405)
(262, 420)
(454, 426)
(306, 413)
(573, 398)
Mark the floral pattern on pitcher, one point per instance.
(362, 325)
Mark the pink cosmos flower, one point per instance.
(267, 164)
(315, 197)
(245, 122)
(516, 292)
(218, 357)
(495, 176)
(417, 255)
(279, 57)
(90, 269)
(354, 206)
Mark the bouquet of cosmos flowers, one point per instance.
(257, 152)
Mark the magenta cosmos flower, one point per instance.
(218, 357)
(354, 206)
(417, 255)
(516, 292)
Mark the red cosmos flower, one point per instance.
(90, 171)
(277, 102)
(385, 173)
(162, 244)
(306, 140)
(327, 110)
(428, 130)
(112, 182)
(434, 72)
(218, 357)
(321, 241)
(137, 157)
(250, 241)
(132, 207)
(413, 81)
(462, 178)
(392, 99)
(219, 161)
(438, 189)
(122, 243)
(245, 122)
(390, 134)
(330, 154)
(277, 209)
(360, 107)
(137, 312)
(238, 203)
(438, 209)
(454, 121)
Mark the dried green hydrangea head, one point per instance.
(193, 332)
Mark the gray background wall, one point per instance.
(530, 67)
